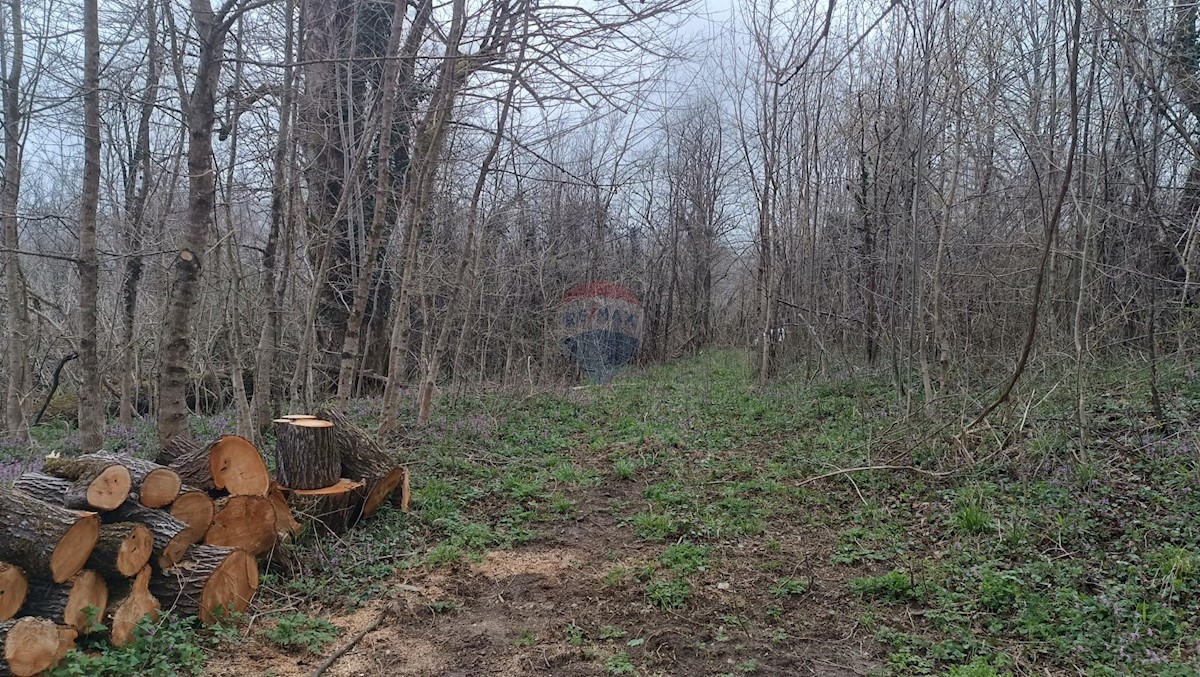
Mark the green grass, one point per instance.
(1025, 561)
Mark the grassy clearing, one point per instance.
(1044, 557)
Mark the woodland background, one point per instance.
(272, 203)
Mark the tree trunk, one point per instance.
(199, 115)
(196, 509)
(13, 586)
(91, 411)
(67, 602)
(155, 485)
(136, 194)
(40, 537)
(172, 537)
(306, 454)
(30, 646)
(210, 583)
(246, 522)
(231, 463)
(337, 506)
(96, 484)
(264, 357)
(17, 319)
(123, 549)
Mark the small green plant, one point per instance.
(574, 635)
(668, 594)
(972, 519)
(789, 587)
(684, 558)
(654, 526)
(168, 648)
(442, 554)
(299, 631)
(620, 664)
(894, 586)
(444, 606)
(624, 468)
(611, 632)
(526, 638)
(614, 577)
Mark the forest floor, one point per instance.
(671, 525)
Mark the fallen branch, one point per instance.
(350, 645)
(910, 468)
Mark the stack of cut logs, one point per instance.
(106, 538)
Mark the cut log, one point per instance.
(238, 467)
(30, 646)
(189, 460)
(66, 641)
(69, 603)
(129, 602)
(13, 586)
(365, 461)
(246, 522)
(123, 549)
(306, 454)
(335, 506)
(298, 417)
(171, 536)
(194, 508)
(96, 484)
(285, 523)
(210, 582)
(45, 538)
(155, 485)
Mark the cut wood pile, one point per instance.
(109, 539)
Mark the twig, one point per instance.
(911, 468)
(350, 645)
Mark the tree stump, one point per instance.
(335, 506)
(13, 586)
(122, 550)
(194, 508)
(68, 602)
(30, 646)
(96, 484)
(306, 454)
(246, 522)
(129, 602)
(365, 461)
(155, 485)
(171, 536)
(45, 538)
(210, 582)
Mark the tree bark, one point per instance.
(337, 507)
(68, 602)
(91, 411)
(199, 115)
(17, 320)
(42, 537)
(210, 583)
(306, 454)
(122, 550)
(363, 460)
(172, 537)
(96, 484)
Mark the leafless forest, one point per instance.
(277, 202)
